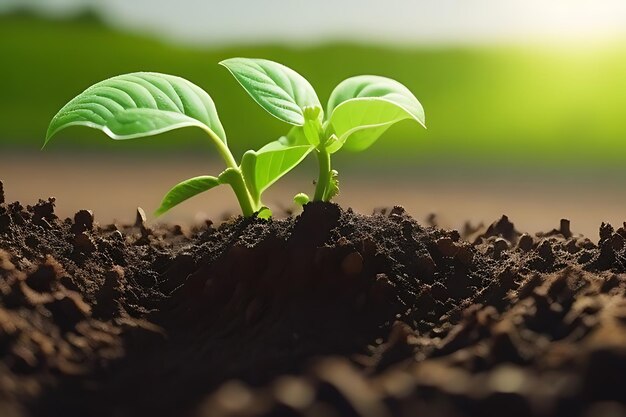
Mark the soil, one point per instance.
(329, 313)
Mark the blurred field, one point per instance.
(538, 133)
(498, 105)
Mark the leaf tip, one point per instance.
(49, 134)
(420, 118)
(226, 62)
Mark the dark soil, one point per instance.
(330, 313)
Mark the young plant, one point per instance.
(359, 111)
(144, 104)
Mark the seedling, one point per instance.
(141, 104)
(359, 111)
(145, 104)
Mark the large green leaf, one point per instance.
(279, 90)
(264, 167)
(362, 108)
(186, 190)
(140, 104)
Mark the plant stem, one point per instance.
(248, 206)
(243, 196)
(222, 148)
(323, 159)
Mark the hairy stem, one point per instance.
(323, 159)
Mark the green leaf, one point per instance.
(186, 190)
(264, 167)
(296, 136)
(301, 199)
(362, 108)
(264, 213)
(281, 91)
(140, 104)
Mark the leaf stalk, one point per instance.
(246, 202)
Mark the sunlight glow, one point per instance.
(403, 21)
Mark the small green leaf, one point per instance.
(264, 167)
(296, 136)
(333, 144)
(333, 186)
(362, 108)
(186, 190)
(140, 104)
(281, 91)
(264, 213)
(312, 130)
(301, 199)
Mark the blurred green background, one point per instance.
(541, 112)
(516, 104)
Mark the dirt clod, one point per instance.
(499, 246)
(525, 242)
(447, 247)
(83, 243)
(565, 228)
(83, 221)
(503, 228)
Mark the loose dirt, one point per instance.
(328, 313)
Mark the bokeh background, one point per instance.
(525, 103)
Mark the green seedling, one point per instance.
(144, 104)
(359, 111)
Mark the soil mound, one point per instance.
(326, 313)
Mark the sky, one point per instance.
(398, 21)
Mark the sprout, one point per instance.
(359, 111)
(141, 104)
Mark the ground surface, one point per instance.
(456, 193)
(330, 313)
